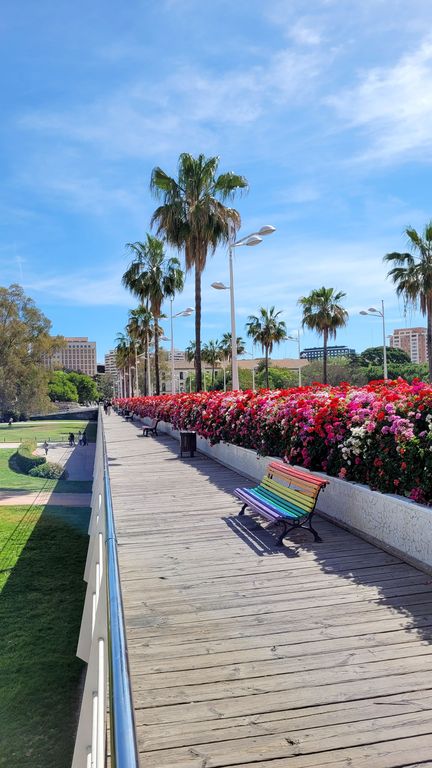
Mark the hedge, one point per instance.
(25, 459)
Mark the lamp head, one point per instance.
(267, 229)
(372, 309)
(363, 312)
(220, 286)
(253, 240)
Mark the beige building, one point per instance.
(79, 354)
(111, 364)
(412, 341)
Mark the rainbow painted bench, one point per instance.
(285, 495)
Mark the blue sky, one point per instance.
(325, 107)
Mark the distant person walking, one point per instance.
(84, 439)
(80, 438)
(45, 447)
(10, 422)
(71, 439)
(109, 405)
(105, 407)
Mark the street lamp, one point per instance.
(184, 313)
(297, 339)
(376, 313)
(255, 238)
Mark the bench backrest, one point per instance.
(293, 485)
(152, 423)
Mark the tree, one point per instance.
(266, 330)
(412, 275)
(123, 361)
(61, 389)
(25, 348)
(193, 217)
(323, 313)
(190, 351)
(375, 356)
(140, 329)
(85, 386)
(211, 354)
(225, 346)
(154, 277)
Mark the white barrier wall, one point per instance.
(397, 525)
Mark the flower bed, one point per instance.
(379, 435)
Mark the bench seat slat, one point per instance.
(259, 505)
(283, 506)
(290, 494)
(293, 482)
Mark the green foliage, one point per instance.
(24, 341)
(375, 356)
(267, 330)
(61, 388)
(24, 458)
(86, 387)
(49, 470)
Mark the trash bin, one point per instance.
(187, 442)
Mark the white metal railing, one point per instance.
(102, 640)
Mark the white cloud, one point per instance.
(393, 105)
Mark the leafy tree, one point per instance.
(193, 217)
(153, 277)
(140, 329)
(25, 346)
(86, 387)
(375, 356)
(323, 313)
(190, 351)
(267, 330)
(412, 275)
(124, 353)
(61, 388)
(105, 385)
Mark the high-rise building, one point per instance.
(111, 363)
(317, 353)
(413, 341)
(78, 355)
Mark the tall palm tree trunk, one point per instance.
(197, 359)
(267, 367)
(146, 345)
(156, 343)
(325, 340)
(429, 335)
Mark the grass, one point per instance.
(53, 431)
(12, 479)
(42, 556)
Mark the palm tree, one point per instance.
(140, 330)
(123, 361)
(225, 346)
(267, 330)
(323, 313)
(153, 276)
(193, 217)
(413, 277)
(190, 351)
(211, 354)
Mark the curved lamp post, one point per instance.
(255, 238)
(376, 313)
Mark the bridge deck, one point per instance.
(244, 653)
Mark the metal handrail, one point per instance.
(102, 641)
(124, 750)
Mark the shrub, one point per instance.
(48, 470)
(379, 434)
(25, 459)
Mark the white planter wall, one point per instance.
(393, 523)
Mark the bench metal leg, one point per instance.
(242, 511)
(316, 536)
(283, 534)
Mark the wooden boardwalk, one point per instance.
(246, 654)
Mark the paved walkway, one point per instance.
(29, 498)
(78, 460)
(246, 654)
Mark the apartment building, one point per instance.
(79, 354)
(413, 341)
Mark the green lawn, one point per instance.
(42, 557)
(54, 431)
(12, 479)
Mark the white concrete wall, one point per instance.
(398, 525)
